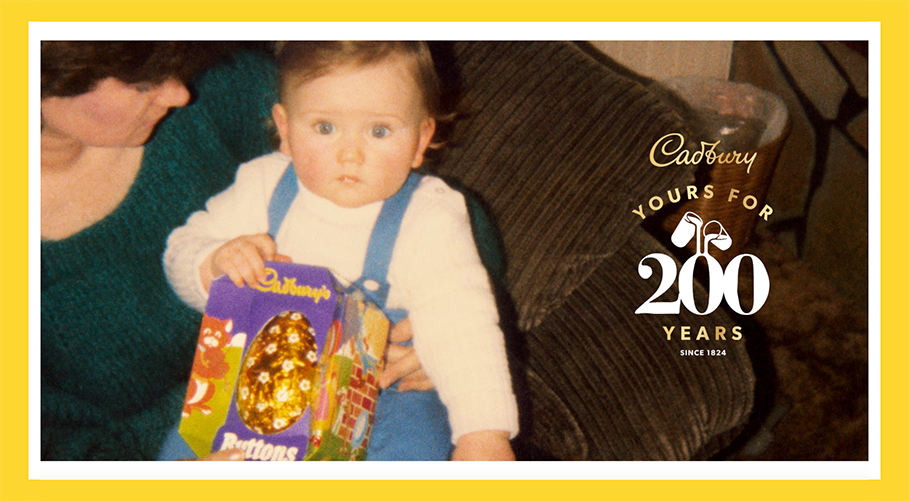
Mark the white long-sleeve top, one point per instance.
(435, 274)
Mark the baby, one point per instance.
(355, 119)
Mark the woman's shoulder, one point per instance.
(244, 68)
(244, 86)
(230, 110)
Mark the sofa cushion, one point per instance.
(558, 147)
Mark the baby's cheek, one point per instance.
(311, 172)
(309, 152)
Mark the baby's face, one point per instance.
(355, 133)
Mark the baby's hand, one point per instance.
(241, 259)
(488, 445)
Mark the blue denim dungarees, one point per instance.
(408, 426)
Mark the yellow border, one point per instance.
(14, 16)
(454, 10)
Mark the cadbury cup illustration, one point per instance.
(718, 237)
(689, 227)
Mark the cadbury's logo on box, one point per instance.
(303, 385)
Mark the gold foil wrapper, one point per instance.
(278, 374)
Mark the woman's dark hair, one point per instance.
(73, 68)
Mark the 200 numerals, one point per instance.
(721, 284)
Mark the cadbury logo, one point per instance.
(707, 153)
(288, 286)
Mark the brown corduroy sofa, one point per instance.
(556, 146)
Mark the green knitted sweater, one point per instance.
(116, 343)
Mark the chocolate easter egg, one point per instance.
(277, 374)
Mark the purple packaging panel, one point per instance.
(266, 358)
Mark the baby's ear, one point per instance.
(427, 130)
(279, 115)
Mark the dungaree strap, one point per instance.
(374, 282)
(281, 199)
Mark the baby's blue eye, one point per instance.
(380, 131)
(325, 128)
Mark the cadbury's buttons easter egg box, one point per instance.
(286, 370)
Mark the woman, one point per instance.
(116, 176)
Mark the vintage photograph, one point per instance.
(472, 250)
